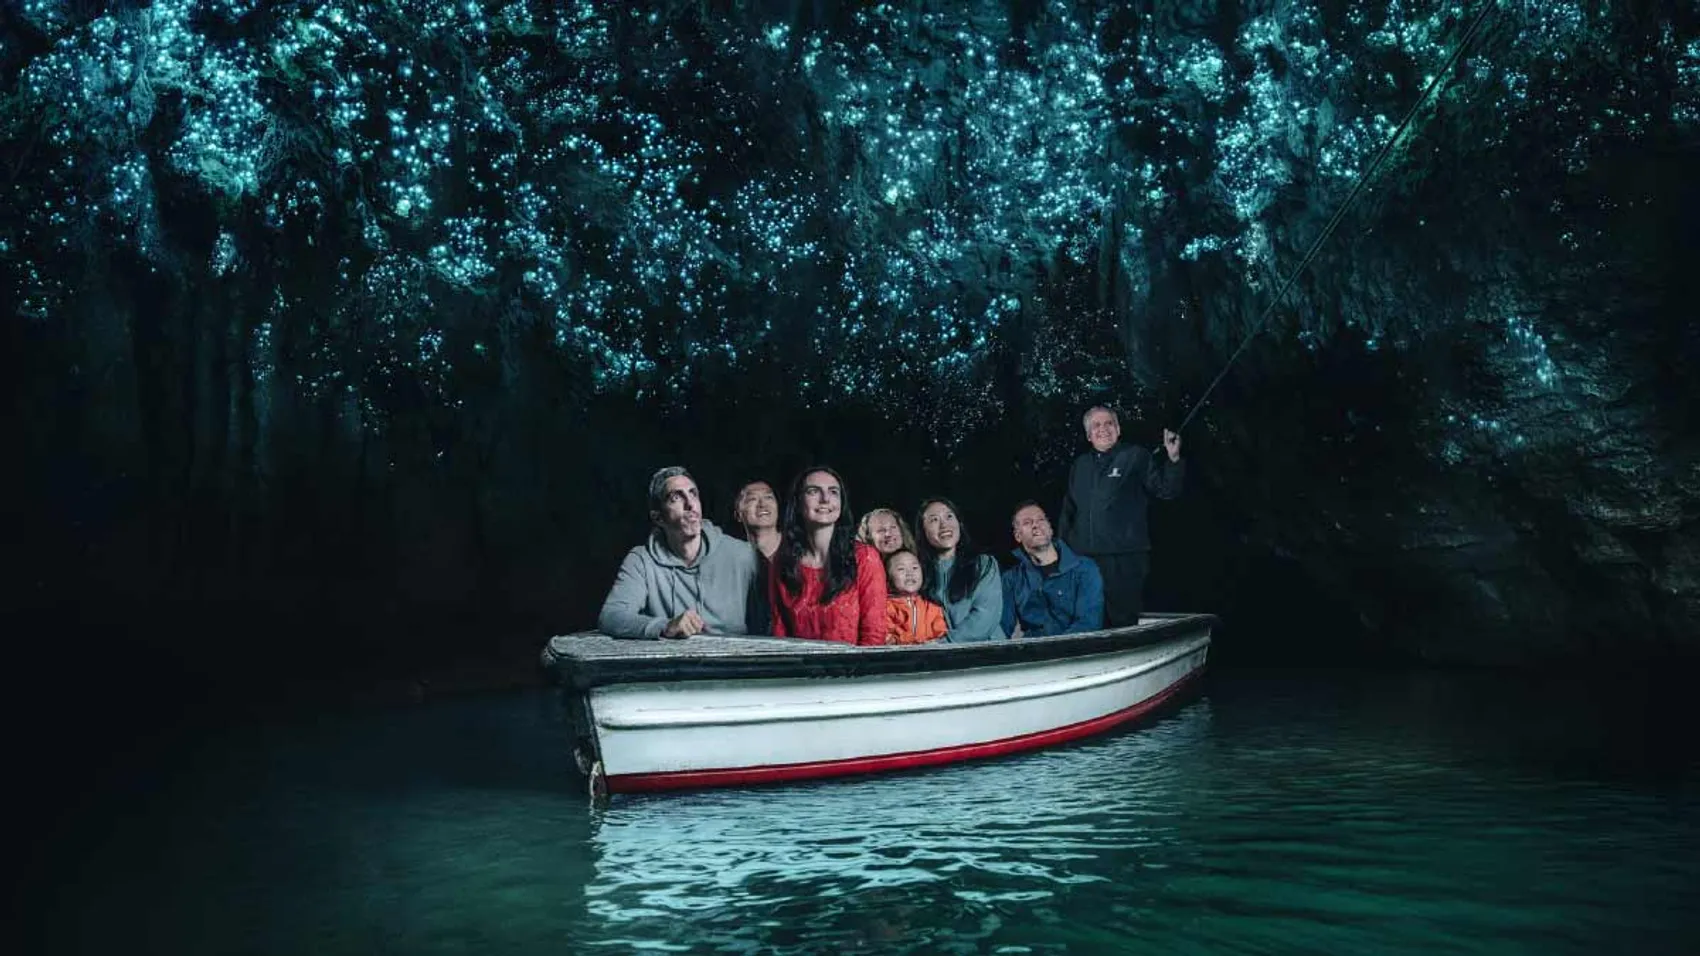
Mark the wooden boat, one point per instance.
(737, 711)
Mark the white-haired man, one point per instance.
(1103, 514)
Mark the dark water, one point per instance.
(1319, 812)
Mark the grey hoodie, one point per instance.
(654, 586)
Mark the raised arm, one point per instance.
(623, 609)
(1162, 476)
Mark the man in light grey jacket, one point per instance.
(689, 578)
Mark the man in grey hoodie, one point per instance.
(689, 578)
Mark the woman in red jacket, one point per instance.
(825, 584)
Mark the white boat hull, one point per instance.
(694, 732)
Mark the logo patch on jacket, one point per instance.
(1114, 473)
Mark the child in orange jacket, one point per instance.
(910, 618)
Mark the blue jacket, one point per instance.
(1069, 602)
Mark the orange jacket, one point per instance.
(912, 619)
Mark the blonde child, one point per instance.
(910, 618)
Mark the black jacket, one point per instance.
(1103, 511)
(758, 612)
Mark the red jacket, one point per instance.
(855, 616)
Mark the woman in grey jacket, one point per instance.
(958, 575)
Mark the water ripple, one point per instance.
(1323, 814)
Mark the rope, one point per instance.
(1340, 213)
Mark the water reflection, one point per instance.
(1311, 814)
(448, 827)
(1335, 815)
(952, 843)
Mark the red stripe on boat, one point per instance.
(776, 773)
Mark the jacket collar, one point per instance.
(664, 556)
(1115, 450)
(1066, 559)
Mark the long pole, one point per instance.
(1434, 84)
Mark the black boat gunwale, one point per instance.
(584, 673)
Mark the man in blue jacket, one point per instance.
(1051, 590)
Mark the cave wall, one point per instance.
(364, 323)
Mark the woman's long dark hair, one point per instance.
(841, 554)
(964, 574)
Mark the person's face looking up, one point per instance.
(905, 573)
(939, 524)
(1032, 528)
(681, 508)
(822, 499)
(758, 506)
(888, 537)
(1102, 429)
